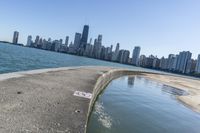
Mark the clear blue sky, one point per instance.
(160, 27)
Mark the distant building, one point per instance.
(108, 53)
(71, 49)
(44, 44)
(135, 56)
(173, 67)
(84, 36)
(102, 53)
(77, 41)
(15, 37)
(197, 69)
(40, 43)
(87, 50)
(156, 63)
(49, 40)
(193, 66)
(100, 39)
(116, 52)
(37, 41)
(190, 66)
(142, 61)
(149, 62)
(55, 45)
(170, 62)
(61, 41)
(182, 61)
(99, 47)
(29, 41)
(123, 56)
(67, 41)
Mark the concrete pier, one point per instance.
(60, 100)
(43, 101)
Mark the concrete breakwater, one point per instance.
(103, 81)
(44, 100)
(60, 100)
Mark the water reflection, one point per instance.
(131, 81)
(164, 88)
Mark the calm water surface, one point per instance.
(138, 105)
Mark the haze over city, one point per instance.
(159, 27)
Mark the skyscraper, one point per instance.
(100, 39)
(182, 61)
(197, 69)
(37, 40)
(188, 67)
(15, 37)
(29, 41)
(116, 53)
(170, 61)
(77, 40)
(67, 40)
(135, 56)
(99, 46)
(163, 63)
(84, 36)
(61, 41)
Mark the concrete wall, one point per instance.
(103, 81)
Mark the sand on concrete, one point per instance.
(190, 85)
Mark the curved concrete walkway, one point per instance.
(44, 101)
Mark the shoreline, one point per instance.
(191, 86)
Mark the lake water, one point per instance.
(16, 58)
(139, 105)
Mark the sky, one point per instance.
(159, 27)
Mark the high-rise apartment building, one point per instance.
(66, 40)
(15, 37)
(136, 55)
(77, 40)
(29, 41)
(182, 61)
(37, 41)
(170, 61)
(116, 52)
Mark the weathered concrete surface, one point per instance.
(42, 101)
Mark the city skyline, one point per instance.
(163, 28)
(181, 62)
(80, 43)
